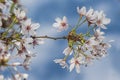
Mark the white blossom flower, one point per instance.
(22, 51)
(88, 60)
(68, 51)
(89, 43)
(91, 16)
(34, 41)
(102, 20)
(17, 43)
(29, 28)
(62, 62)
(89, 13)
(27, 41)
(27, 59)
(105, 45)
(82, 11)
(100, 50)
(98, 35)
(1, 77)
(20, 14)
(61, 24)
(21, 76)
(17, 77)
(25, 76)
(76, 62)
(37, 41)
(97, 52)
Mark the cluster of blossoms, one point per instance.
(17, 38)
(83, 48)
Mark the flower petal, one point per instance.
(65, 19)
(72, 66)
(77, 68)
(35, 26)
(56, 25)
(58, 20)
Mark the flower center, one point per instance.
(35, 42)
(76, 62)
(28, 28)
(63, 24)
(99, 22)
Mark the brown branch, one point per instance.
(49, 37)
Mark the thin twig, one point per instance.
(49, 37)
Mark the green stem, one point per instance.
(80, 24)
(12, 7)
(65, 58)
(2, 1)
(83, 54)
(11, 25)
(77, 23)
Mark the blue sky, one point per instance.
(44, 12)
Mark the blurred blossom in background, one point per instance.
(44, 12)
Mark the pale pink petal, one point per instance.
(57, 60)
(35, 26)
(27, 22)
(56, 25)
(77, 68)
(23, 14)
(106, 21)
(103, 26)
(67, 51)
(65, 19)
(58, 20)
(90, 12)
(1, 77)
(72, 65)
(32, 33)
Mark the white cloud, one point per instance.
(47, 30)
(101, 71)
(33, 3)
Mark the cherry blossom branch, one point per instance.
(49, 37)
(18, 34)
